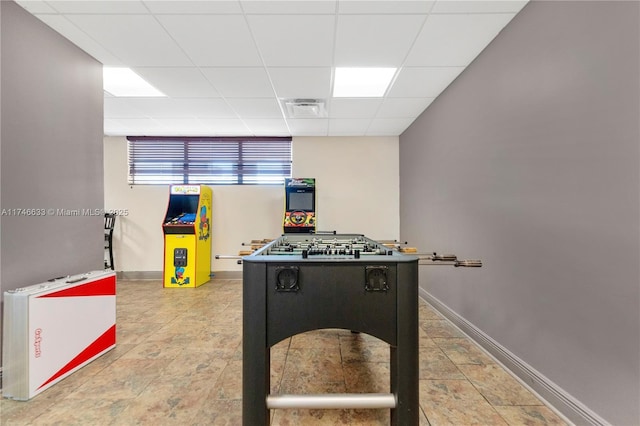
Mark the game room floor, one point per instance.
(178, 360)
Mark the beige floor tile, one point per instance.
(134, 332)
(229, 384)
(434, 364)
(462, 351)
(426, 312)
(456, 402)
(358, 351)
(321, 363)
(154, 350)
(168, 401)
(316, 339)
(363, 339)
(123, 379)
(231, 316)
(313, 371)
(195, 365)
(20, 413)
(532, 415)
(367, 377)
(221, 344)
(440, 328)
(223, 412)
(425, 341)
(498, 386)
(373, 417)
(83, 412)
(311, 417)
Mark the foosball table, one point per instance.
(304, 282)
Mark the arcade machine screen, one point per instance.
(301, 201)
(181, 214)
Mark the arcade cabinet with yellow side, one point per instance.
(187, 236)
(300, 206)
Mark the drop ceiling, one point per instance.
(227, 65)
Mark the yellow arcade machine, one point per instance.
(187, 236)
(300, 205)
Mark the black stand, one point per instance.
(316, 294)
(109, 224)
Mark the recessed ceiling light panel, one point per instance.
(124, 82)
(362, 82)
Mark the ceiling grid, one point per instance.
(226, 66)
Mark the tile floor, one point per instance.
(179, 361)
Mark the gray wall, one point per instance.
(50, 152)
(530, 161)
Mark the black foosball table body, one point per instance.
(302, 282)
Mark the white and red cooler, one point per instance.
(52, 329)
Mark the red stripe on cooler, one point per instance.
(103, 287)
(105, 341)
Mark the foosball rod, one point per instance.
(438, 257)
(392, 242)
(333, 401)
(457, 263)
(227, 256)
(238, 259)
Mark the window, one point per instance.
(215, 160)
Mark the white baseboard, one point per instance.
(157, 275)
(563, 403)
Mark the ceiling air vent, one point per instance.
(305, 108)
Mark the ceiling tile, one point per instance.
(94, 6)
(121, 108)
(301, 82)
(348, 127)
(65, 27)
(455, 40)
(134, 127)
(138, 39)
(179, 82)
(183, 108)
(186, 126)
(223, 127)
(403, 107)
(289, 7)
(294, 40)
(478, 6)
(250, 82)
(213, 40)
(255, 108)
(309, 126)
(193, 7)
(375, 40)
(388, 126)
(384, 7)
(423, 82)
(267, 126)
(114, 127)
(353, 108)
(36, 6)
